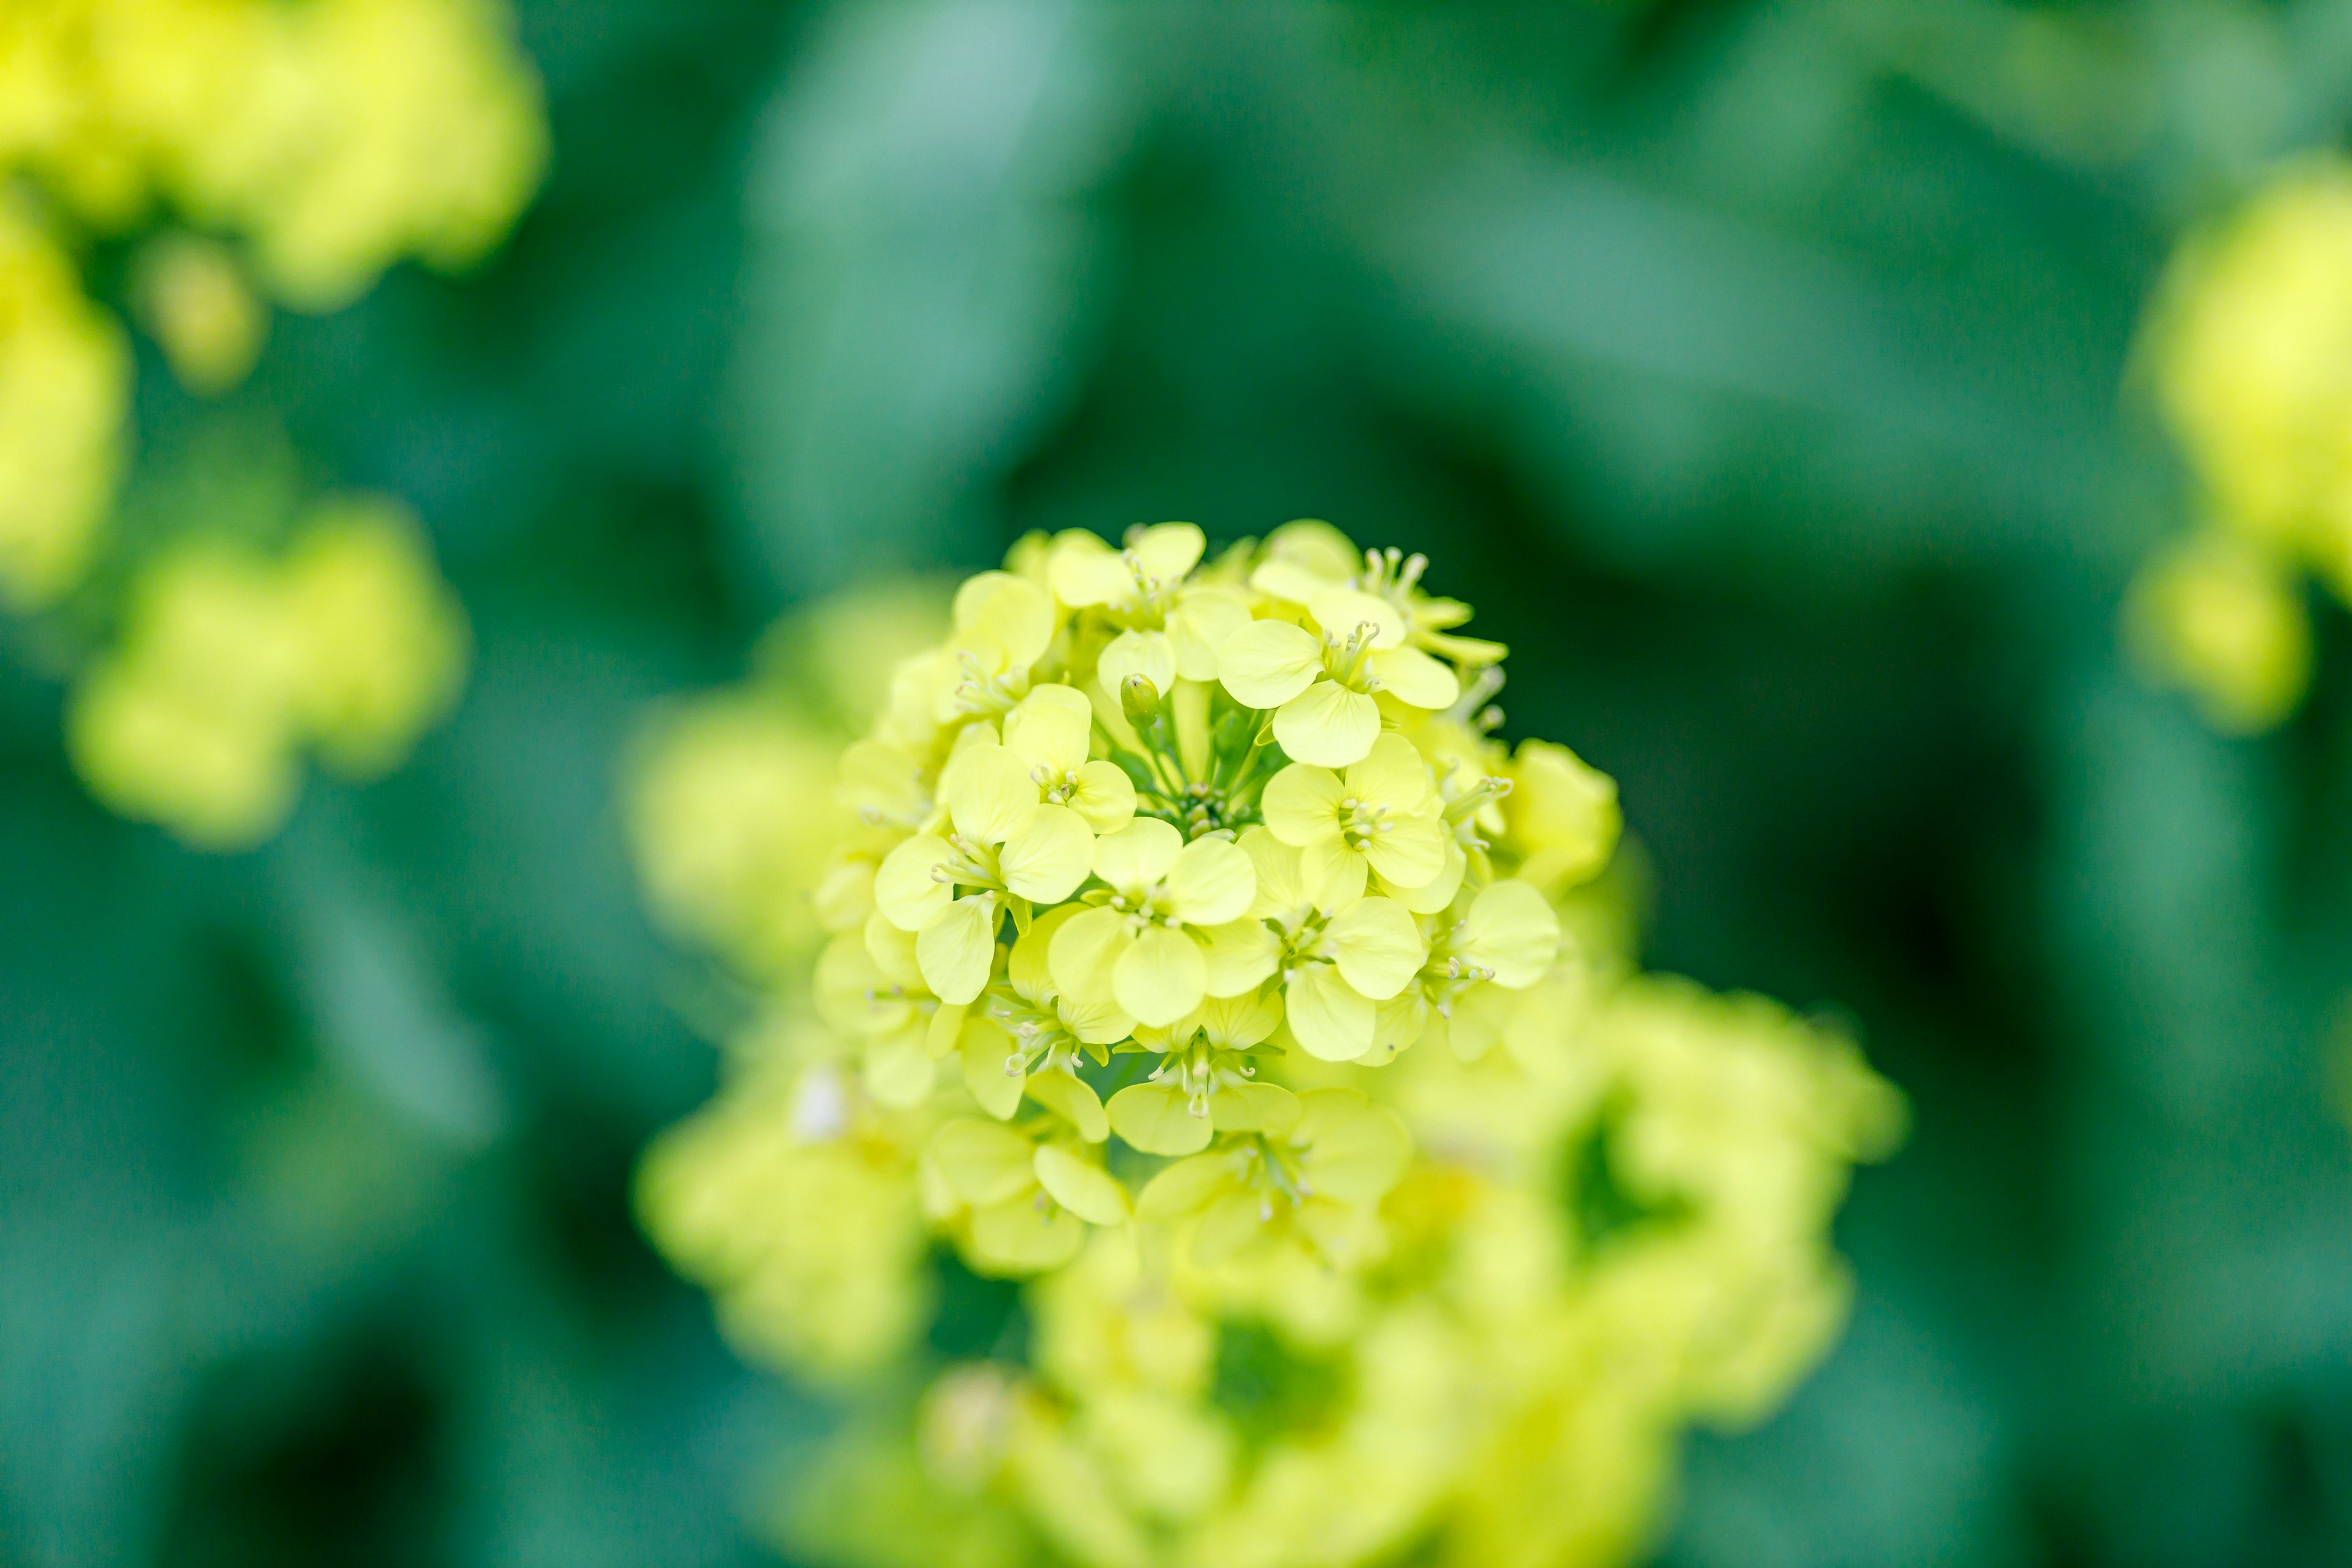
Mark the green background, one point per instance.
(1760, 371)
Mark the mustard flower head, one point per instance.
(1192, 951)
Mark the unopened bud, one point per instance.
(1138, 699)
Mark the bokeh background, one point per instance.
(1764, 373)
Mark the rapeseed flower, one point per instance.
(1365, 1202)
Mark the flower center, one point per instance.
(1345, 659)
(1362, 821)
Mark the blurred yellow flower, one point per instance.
(193, 297)
(65, 390)
(2221, 619)
(2248, 349)
(229, 663)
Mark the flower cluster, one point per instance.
(2246, 349)
(231, 661)
(313, 144)
(1187, 947)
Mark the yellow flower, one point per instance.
(870, 989)
(1049, 732)
(2222, 619)
(1020, 1206)
(1337, 960)
(798, 1205)
(1312, 1181)
(1031, 1036)
(191, 722)
(1205, 1083)
(1379, 820)
(730, 824)
(1314, 565)
(1148, 940)
(1003, 627)
(1169, 627)
(950, 890)
(1507, 940)
(1321, 682)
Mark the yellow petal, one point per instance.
(1028, 970)
(1410, 851)
(1326, 1017)
(893, 953)
(1211, 882)
(1511, 931)
(1281, 882)
(1411, 677)
(1436, 895)
(1046, 854)
(1185, 1187)
(984, 1050)
(1301, 804)
(986, 790)
(1009, 614)
(1266, 1108)
(1231, 1223)
(1266, 663)
(1237, 1021)
(1073, 1099)
(1203, 619)
(878, 780)
(1359, 1150)
(1019, 1238)
(1081, 1186)
(1160, 977)
(1104, 796)
(1095, 1021)
(958, 948)
(1137, 856)
(981, 1162)
(899, 1073)
(1147, 654)
(1315, 546)
(1083, 953)
(1335, 875)
(1241, 954)
(1157, 1118)
(848, 985)
(905, 892)
(1084, 571)
(1168, 550)
(1328, 724)
(1051, 728)
(1376, 947)
(1342, 611)
(1392, 774)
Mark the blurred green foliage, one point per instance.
(1757, 368)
